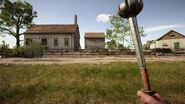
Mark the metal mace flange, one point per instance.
(130, 8)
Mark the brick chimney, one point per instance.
(75, 20)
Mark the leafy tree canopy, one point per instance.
(119, 34)
(16, 16)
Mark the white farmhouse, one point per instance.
(172, 40)
(55, 37)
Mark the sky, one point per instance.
(157, 17)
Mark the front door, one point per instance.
(176, 45)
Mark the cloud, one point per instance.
(103, 18)
(163, 27)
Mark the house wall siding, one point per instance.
(153, 45)
(170, 43)
(50, 40)
(94, 43)
(168, 40)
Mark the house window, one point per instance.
(66, 41)
(44, 41)
(176, 45)
(171, 34)
(28, 41)
(165, 45)
(55, 41)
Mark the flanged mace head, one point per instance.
(130, 8)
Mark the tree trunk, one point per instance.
(17, 41)
(17, 36)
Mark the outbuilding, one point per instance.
(95, 40)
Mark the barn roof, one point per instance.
(94, 35)
(48, 29)
(171, 31)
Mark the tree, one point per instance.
(15, 17)
(111, 44)
(119, 34)
(1, 3)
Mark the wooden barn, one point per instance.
(94, 40)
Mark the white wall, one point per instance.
(50, 40)
(153, 45)
(170, 43)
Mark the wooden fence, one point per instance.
(87, 53)
(96, 53)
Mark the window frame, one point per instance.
(28, 41)
(176, 45)
(165, 45)
(55, 41)
(66, 41)
(44, 41)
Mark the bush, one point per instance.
(33, 50)
(5, 50)
(17, 51)
(163, 50)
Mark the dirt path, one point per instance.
(98, 60)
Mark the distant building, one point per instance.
(94, 40)
(148, 44)
(55, 37)
(152, 44)
(172, 40)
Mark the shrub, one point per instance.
(5, 50)
(34, 49)
(163, 50)
(17, 51)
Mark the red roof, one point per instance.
(37, 29)
(94, 35)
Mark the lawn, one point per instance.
(113, 83)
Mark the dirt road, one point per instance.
(98, 60)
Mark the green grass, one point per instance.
(114, 83)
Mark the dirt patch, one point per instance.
(96, 60)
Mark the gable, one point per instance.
(171, 35)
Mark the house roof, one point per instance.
(94, 35)
(47, 29)
(171, 31)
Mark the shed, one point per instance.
(94, 40)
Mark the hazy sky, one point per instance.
(157, 17)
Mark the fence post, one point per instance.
(41, 52)
(61, 53)
(100, 51)
(80, 52)
(2, 53)
(107, 52)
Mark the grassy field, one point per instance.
(114, 83)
